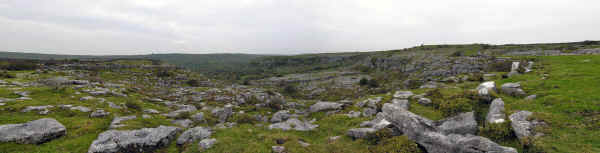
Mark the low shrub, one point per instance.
(453, 107)
(397, 144)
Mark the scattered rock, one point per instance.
(86, 98)
(531, 97)
(183, 122)
(403, 94)
(280, 116)
(401, 103)
(303, 144)
(334, 138)
(424, 101)
(113, 105)
(484, 88)
(223, 113)
(142, 140)
(33, 132)
(513, 89)
(151, 111)
(353, 114)
(367, 112)
(522, 125)
(295, 124)
(321, 106)
(424, 132)
(198, 117)
(81, 109)
(182, 109)
(496, 113)
(193, 134)
(116, 122)
(207, 143)
(99, 113)
(361, 133)
(278, 149)
(36, 108)
(463, 123)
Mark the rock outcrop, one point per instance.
(425, 132)
(33, 132)
(295, 124)
(194, 134)
(321, 106)
(513, 89)
(142, 140)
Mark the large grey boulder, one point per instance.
(496, 112)
(223, 113)
(33, 132)
(193, 134)
(321, 106)
(361, 133)
(463, 123)
(294, 124)
(514, 69)
(280, 116)
(522, 126)
(403, 94)
(424, 101)
(371, 102)
(367, 112)
(513, 89)
(401, 103)
(142, 140)
(425, 132)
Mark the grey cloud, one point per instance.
(284, 27)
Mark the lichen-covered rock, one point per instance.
(33, 132)
(496, 112)
(322, 106)
(142, 140)
(193, 134)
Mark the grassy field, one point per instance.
(568, 101)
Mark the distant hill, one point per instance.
(209, 64)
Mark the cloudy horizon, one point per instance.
(125, 27)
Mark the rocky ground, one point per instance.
(540, 104)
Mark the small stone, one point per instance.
(278, 149)
(207, 143)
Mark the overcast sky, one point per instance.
(285, 26)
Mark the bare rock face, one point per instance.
(425, 132)
(33, 132)
(193, 134)
(321, 106)
(131, 141)
(496, 113)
